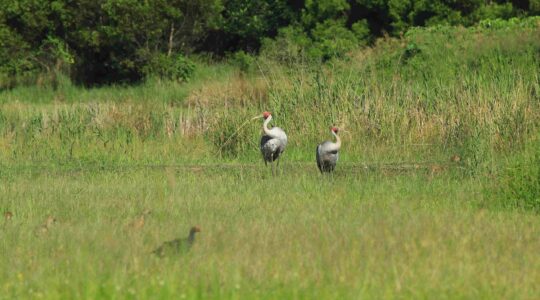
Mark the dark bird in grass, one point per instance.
(273, 142)
(327, 153)
(177, 246)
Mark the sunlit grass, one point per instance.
(377, 235)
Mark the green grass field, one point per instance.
(362, 233)
(398, 219)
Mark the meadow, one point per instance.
(362, 234)
(398, 219)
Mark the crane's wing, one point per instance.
(270, 148)
(318, 157)
(264, 140)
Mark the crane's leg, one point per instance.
(273, 164)
(278, 169)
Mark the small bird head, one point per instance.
(8, 215)
(50, 220)
(334, 129)
(266, 114)
(455, 158)
(195, 229)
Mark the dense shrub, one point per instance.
(21, 64)
(362, 32)
(327, 40)
(243, 61)
(172, 67)
(289, 47)
(332, 39)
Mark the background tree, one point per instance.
(125, 41)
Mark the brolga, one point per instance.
(273, 142)
(328, 153)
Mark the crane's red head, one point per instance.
(266, 114)
(335, 129)
(195, 229)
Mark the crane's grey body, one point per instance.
(273, 142)
(327, 153)
(273, 146)
(327, 156)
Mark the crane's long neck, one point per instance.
(265, 126)
(337, 144)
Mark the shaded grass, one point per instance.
(151, 90)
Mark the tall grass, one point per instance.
(517, 183)
(432, 94)
(460, 90)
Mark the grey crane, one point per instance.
(177, 246)
(273, 142)
(327, 153)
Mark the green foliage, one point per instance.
(243, 61)
(98, 42)
(15, 61)
(496, 11)
(332, 39)
(28, 50)
(361, 31)
(163, 27)
(410, 51)
(317, 12)
(510, 24)
(289, 47)
(171, 67)
(245, 23)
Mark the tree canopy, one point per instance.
(116, 41)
